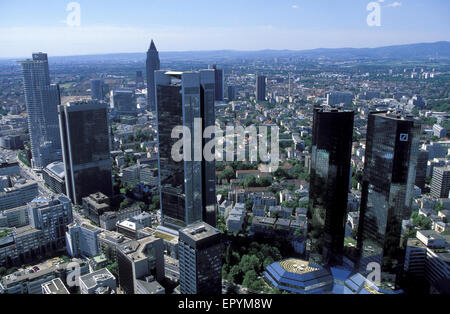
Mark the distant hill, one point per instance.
(412, 51)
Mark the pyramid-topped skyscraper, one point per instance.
(153, 64)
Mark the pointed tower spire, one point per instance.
(153, 64)
(152, 46)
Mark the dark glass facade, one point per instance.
(153, 64)
(126, 273)
(124, 101)
(187, 187)
(421, 172)
(219, 83)
(200, 255)
(97, 89)
(329, 185)
(388, 188)
(260, 88)
(231, 93)
(86, 150)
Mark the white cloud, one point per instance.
(294, 6)
(394, 4)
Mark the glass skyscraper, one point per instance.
(219, 79)
(123, 101)
(86, 149)
(97, 89)
(260, 88)
(153, 64)
(187, 187)
(387, 190)
(42, 100)
(329, 184)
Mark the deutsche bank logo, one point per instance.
(403, 137)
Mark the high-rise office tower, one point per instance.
(421, 172)
(260, 88)
(86, 149)
(139, 79)
(97, 89)
(153, 64)
(187, 187)
(387, 190)
(123, 101)
(337, 98)
(200, 255)
(231, 93)
(440, 182)
(219, 80)
(140, 263)
(329, 187)
(42, 100)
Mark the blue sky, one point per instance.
(110, 26)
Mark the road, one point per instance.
(29, 174)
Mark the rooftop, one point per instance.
(100, 259)
(45, 269)
(56, 286)
(152, 287)
(136, 249)
(91, 280)
(199, 231)
(57, 168)
(297, 266)
(165, 236)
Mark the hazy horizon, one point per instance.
(211, 51)
(110, 27)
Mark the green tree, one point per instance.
(250, 181)
(249, 262)
(235, 275)
(227, 174)
(221, 225)
(420, 221)
(249, 278)
(439, 207)
(282, 174)
(155, 205)
(268, 261)
(125, 203)
(224, 193)
(113, 268)
(249, 205)
(109, 253)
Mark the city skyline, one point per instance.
(295, 25)
(116, 175)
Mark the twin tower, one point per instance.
(387, 188)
